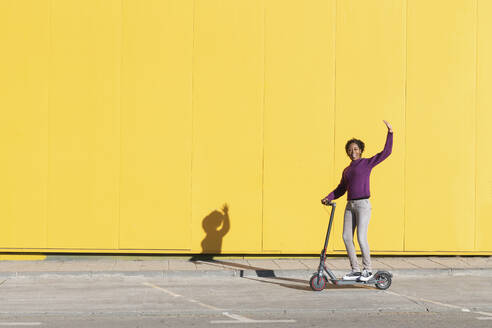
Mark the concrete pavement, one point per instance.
(223, 266)
(154, 302)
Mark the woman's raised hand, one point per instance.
(390, 129)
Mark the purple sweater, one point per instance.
(355, 177)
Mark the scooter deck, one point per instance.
(337, 281)
(340, 282)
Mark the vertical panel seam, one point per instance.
(335, 30)
(120, 141)
(477, 223)
(405, 68)
(192, 120)
(50, 74)
(263, 132)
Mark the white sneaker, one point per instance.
(366, 275)
(352, 275)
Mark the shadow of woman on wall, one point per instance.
(216, 225)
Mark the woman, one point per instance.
(355, 180)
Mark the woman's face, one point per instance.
(353, 151)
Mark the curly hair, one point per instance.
(358, 142)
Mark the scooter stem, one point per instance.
(322, 266)
(333, 205)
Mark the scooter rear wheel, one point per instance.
(317, 284)
(383, 281)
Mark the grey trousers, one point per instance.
(357, 215)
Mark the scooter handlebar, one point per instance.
(328, 203)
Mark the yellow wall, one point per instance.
(370, 86)
(441, 84)
(128, 125)
(155, 128)
(483, 132)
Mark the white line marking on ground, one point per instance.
(211, 307)
(253, 321)
(20, 323)
(184, 298)
(240, 319)
(163, 289)
(484, 318)
(237, 318)
(442, 304)
(424, 300)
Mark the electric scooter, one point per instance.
(381, 279)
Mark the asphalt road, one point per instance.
(119, 301)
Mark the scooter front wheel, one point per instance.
(317, 283)
(383, 281)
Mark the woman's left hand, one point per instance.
(390, 129)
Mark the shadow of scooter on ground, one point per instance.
(268, 276)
